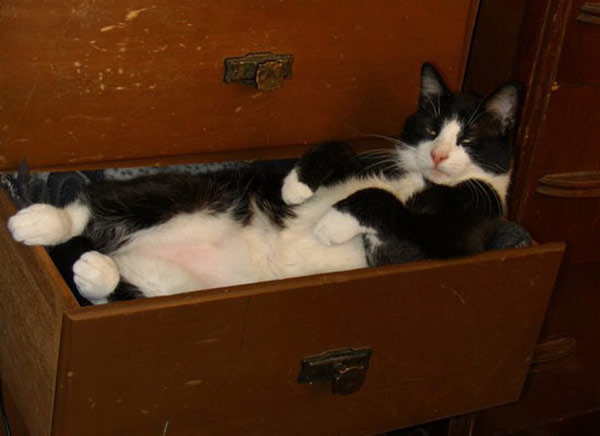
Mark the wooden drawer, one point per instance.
(111, 81)
(447, 337)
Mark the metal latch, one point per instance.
(346, 369)
(266, 71)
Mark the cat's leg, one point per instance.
(96, 276)
(372, 211)
(323, 164)
(44, 224)
(380, 219)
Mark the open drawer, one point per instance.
(446, 337)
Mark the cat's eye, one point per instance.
(430, 131)
(466, 141)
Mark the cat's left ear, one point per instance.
(503, 104)
(432, 84)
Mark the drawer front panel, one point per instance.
(110, 81)
(446, 338)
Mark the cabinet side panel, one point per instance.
(32, 301)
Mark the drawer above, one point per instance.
(112, 81)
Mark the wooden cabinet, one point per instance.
(104, 83)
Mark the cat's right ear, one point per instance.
(432, 84)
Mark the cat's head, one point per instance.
(455, 137)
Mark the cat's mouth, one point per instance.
(437, 176)
(431, 173)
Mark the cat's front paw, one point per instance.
(293, 190)
(96, 276)
(337, 227)
(40, 224)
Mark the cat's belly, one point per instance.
(202, 251)
(189, 252)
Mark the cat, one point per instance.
(439, 193)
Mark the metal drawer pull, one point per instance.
(266, 71)
(346, 369)
(589, 13)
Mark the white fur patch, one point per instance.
(96, 276)
(337, 228)
(44, 224)
(192, 252)
(293, 190)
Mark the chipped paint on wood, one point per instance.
(132, 15)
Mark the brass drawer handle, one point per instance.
(266, 71)
(553, 351)
(589, 13)
(346, 369)
(577, 184)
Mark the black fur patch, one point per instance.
(120, 208)
(326, 164)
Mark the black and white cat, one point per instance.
(439, 193)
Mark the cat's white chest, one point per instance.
(301, 252)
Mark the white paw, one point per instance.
(293, 190)
(96, 276)
(337, 227)
(40, 224)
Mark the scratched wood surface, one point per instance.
(87, 81)
(226, 361)
(33, 298)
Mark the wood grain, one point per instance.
(227, 361)
(31, 310)
(87, 81)
(580, 56)
(567, 144)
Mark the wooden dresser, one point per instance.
(94, 84)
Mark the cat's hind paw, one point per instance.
(40, 224)
(96, 276)
(337, 228)
(293, 190)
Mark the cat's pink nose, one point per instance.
(438, 157)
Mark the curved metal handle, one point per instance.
(346, 369)
(589, 13)
(577, 184)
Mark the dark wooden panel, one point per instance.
(568, 143)
(31, 307)
(226, 361)
(492, 58)
(561, 389)
(580, 61)
(87, 81)
(17, 426)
